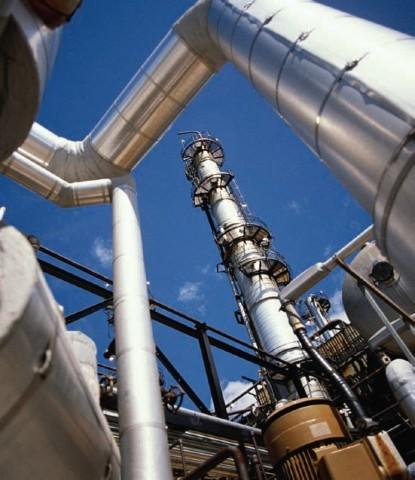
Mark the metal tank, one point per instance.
(256, 272)
(50, 424)
(244, 243)
(373, 266)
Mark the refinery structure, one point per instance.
(333, 398)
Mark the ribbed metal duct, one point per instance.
(50, 425)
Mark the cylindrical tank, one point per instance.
(373, 266)
(50, 426)
(85, 351)
(401, 378)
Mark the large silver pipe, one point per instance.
(30, 175)
(137, 119)
(328, 75)
(28, 54)
(143, 438)
(324, 71)
(50, 424)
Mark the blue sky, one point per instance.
(307, 210)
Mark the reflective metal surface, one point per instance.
(314, 274)
(36, 178)
(134, 123)
(326, 72)
(259, 291)
(150, 102)
(29, 50)
(361, 313)
(143, 437)
(85, 351)
(50, 425)
(401, 379)
(328, 75)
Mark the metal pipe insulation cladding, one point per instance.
(243, 245)
(49, 420)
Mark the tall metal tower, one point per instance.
(255, 270)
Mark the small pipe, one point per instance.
(182, 455)
(384, 319)
(259, 459)
(217, 459)
(364, 422)
(198, 417)
(317, 272)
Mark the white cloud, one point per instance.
(231, 390)
(294, 206)
(102, 251)
(190, 292)
(337, 311)
(205, 270)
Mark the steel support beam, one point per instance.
(182, 382)
(212, 374)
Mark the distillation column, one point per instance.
(256, 271)
(306, 438)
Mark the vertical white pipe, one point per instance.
(143, 438)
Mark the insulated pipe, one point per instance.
(324, 71)
(137, 119)
(65, 194)
(364, 422)
(143, 437)
(28, 54)
(197, 418)
(85, 351)
(401, 379)
(328, 75)
(50, 425)
(319, 271)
